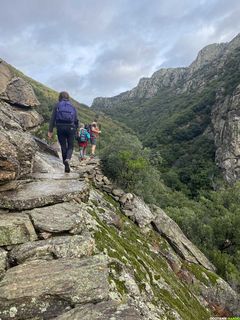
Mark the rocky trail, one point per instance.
(50, 259)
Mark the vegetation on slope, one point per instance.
(175, 168)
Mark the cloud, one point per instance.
(100, 48)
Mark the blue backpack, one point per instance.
(83, 136)
(66, 113)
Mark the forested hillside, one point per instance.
(187, 120)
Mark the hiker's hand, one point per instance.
(50, 134)
(99, 131)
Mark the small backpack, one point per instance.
(66, 113)
(82, 136)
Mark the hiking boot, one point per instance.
(92, 156)
(67, 166)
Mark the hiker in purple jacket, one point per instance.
(64, 117)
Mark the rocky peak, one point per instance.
(207, 55)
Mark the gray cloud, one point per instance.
(99, 48)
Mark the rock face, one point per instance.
(17, 148)
(226, 125)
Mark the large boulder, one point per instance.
(17, 151)
(183, 246)
(46, 289)
(137, 210)
(21, 93)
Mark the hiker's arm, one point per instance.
(52, 120)
(96, 130)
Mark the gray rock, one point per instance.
(20, 92)
(221, 294)
(99, 178)
(22, 148)
(55, 176)
(102, 311)
(3, 262)
(6, 76)
(138, 211)
(16, 118)
(126, 198)
(41, 193)
(45, 163)
(184, 247)
(107, 188)
(44, 147)
(12, 185)
(59, 217)
(118, 192)
(225, 121)
(54, 248)
(10, 166)
(49, 288)
(15, 228)
(106, 180)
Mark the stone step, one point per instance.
(55, 176)
(46, 289)
(61, 217)
(42, 193)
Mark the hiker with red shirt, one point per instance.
(94, 133)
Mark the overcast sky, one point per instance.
(103, 47)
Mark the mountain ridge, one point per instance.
(214, 73)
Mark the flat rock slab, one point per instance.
(54, 248)
(47, 289)
(41, 193)
(55, 176)
(15, 228)
(67, 216)
(102, 311)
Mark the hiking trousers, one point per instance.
(66, 135)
